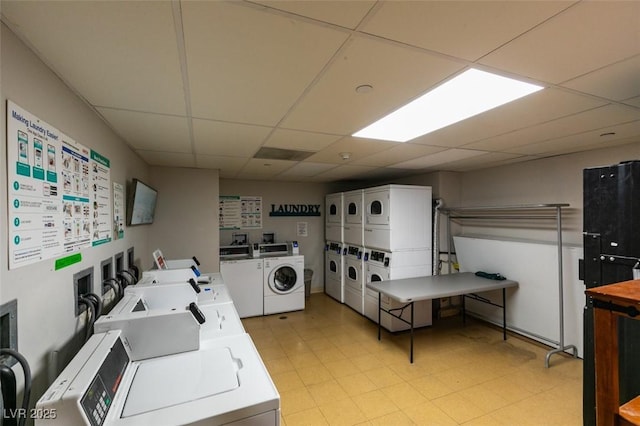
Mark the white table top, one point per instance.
(433, 287)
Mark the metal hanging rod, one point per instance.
(450, 212)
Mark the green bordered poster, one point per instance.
(240, 212)
(53, 206)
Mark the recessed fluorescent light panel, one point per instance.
(464, 96)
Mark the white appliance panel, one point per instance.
(283, 284)
(244, 280)
(354, 278)
(353, 207)
(398, 217)
(334, 232)
(333, 275)
(334, 209)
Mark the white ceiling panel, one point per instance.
(356, 148)
(299, 140)
(333, 105)
(465, 29)
(469, 163)
(344, 172)
(306, 169)
(249, 66)
(116, 54)
(597, 118)
(151, 132)
(346, 14)
(227, 166)
(602, 32)
(169, 159)
(575, 143)
(227, 139)
(259, 168)
(209, 83)
(397, 154)
(542, 106)
(442, 157)
(633, 101)
(618, 81)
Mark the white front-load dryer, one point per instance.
(283, 284)
(333, 277)
(354, 278)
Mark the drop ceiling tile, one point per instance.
(116, 54)
(357, 149)
(170, 159)
(344, 13)
(465, 29)
(306, 169)
(576, 142)
(633, 101)
(385, 173)
(540, 107)
(610, 115)
(577, 41)
(333, 105)
(434, 160)
(480, 161)
(249, 66)
(299, 140)
(227, 139)
(227, 166)
(397, 154)
(346, 171)
(617, 82)
(258, 168)
(152, 132)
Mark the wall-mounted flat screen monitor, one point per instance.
(142, 204)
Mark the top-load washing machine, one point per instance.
(283, 284)
(333, 277)
(243, 276)
(397, 217)
(334, 217)
(383, 266)
(353, 217)
(354, 277)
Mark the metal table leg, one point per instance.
(504, 314)
(411, 333)
(379, 309)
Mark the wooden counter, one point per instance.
(610, 302)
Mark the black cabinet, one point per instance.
(611, 226)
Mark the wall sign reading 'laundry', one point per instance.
(295, 210)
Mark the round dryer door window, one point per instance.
(284, 279)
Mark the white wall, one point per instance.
(186, 221)
(312, 246)
(46, 320)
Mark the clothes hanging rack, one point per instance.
(538, 212)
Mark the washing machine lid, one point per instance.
(169, 381)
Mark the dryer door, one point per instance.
(283, 279)
(377, 207)
(333, 204)
(353, 208)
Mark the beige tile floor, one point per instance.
(330, 369)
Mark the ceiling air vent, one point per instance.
(282, 154)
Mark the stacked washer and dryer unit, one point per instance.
(387, 234)
(333, 256)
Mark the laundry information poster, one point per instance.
(50, 191)
(118, 211)
(240, 212)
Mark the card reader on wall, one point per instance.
(152, 333)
